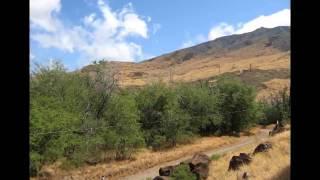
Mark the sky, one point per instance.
(77, 32)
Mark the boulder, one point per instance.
(277, 129)
(199, 165)
(166, 171)
(237, 161)
(92, 161)
(263, 147)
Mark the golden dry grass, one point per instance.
(273, 86)
(274, 164)
(146, 159)
(196, 69)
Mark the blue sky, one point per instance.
(77, 32)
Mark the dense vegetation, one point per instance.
(76, 117)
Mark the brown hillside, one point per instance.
(263, 49)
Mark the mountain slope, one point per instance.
(277, 38)
(263, 49)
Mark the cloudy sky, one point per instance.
(78, 32)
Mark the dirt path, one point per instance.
(154, 171)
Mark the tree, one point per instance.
(203, 107)
(124, 134)
(162, 120)
(238, 106)
(102, 84)
(277, 107)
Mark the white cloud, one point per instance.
(98, 37)
(223, 29)
(42, 14)
(280, 18)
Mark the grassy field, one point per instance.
(274, 164)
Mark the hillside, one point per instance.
(265, 49)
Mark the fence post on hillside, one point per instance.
(219, 68)
(250, 68)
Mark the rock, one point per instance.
(161, 178)
(199, 165)
(92, 161)
(245, 176)
(166, 171)
(245, 157)
(263, 147)
(237, 161)
(277, 129)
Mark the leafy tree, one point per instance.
(237, 105)
(203, 107)
(277, 107)
(124, 134)
(163, 122)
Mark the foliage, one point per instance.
(237, 105)
(77, 116)
(277, 107)
(203, 107)
(162, 120)
(125, 134)
(183, 172)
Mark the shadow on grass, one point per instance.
(284, 174)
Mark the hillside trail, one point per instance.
(262, 135)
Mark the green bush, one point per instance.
(75, 117)
(237, 105)
(276, 108)
(124, 135)
(162, 120)
(215, 157)
(203, 107)
(183, 172)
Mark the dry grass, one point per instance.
(273, 86)
(274, 164)
(196, 69)
(146, 159)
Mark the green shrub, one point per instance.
(183, 172)
(237, 105)
(161, 118)
(277, 107)
(215, 157)
(122, 117)
(35, 163)
(203, 107)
